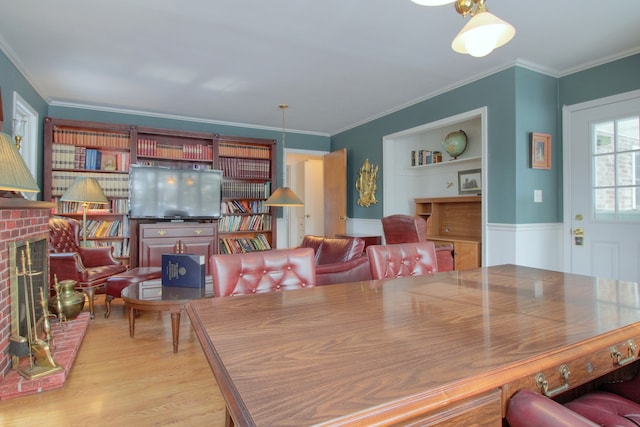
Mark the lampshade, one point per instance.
(283, 196)
(482, 34)
(84, 190)
(14, 173)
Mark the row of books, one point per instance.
(230, 223)
(425, 157)
(246, 190)
(243, 206)
(105, 228)
(90, 138)
(78, 157)
(113, 185)
(245, 168)
(238, 150)
(243, 245)
(120, 247)
(151, 148)
(116, 206)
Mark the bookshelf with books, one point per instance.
(248, 167)
(89, 149)
(105, 151)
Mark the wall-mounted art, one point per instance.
(540, 150)
(366, 184)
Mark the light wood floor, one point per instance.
(120, 381)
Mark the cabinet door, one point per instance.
(151, 250)
(466, 255)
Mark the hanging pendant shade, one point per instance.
(283, 196)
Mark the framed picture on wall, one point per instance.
(470, 181)
(540, 150)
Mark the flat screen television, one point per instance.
(170, 193)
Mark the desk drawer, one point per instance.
(577, 371)
(183, 231)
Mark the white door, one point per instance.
(602, 187)
(306, 182)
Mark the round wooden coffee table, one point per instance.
(150, 295)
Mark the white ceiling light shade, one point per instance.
(432, 2)
(482, 34)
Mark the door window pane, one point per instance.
(616, 169)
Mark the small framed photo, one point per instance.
(470, 181)
(540, 150)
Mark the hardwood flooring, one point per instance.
(120, 381)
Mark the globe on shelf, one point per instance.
(455, 143)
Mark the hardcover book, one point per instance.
(183, 270)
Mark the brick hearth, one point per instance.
(65, 349)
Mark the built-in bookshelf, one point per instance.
(97, 150)
(248, 167)
(105, 151)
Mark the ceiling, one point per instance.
(337, 63)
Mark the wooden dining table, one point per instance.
(445, 349)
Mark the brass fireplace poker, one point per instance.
(39, 349)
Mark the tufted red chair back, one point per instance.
(405, 259)
(332, 250)
(64, 235)
(264, 271)
(404, 229)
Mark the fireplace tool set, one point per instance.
(38, 350)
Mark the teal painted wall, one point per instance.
(497, 92)
(537, 111)
(598, 82)
(12, 80)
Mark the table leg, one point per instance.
(175, 329)
(132, 321)
(91, 291)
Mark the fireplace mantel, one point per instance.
(18, 203)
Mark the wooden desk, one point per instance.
(446, 349)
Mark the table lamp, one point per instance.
(84, 190)
(14, 173)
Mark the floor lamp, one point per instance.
(84, 190)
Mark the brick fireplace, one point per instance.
(20, 220)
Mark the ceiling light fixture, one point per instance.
(483, 33)
(283, 196)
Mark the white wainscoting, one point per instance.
(531, 245)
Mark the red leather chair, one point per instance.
(607, 409)
(405, 259)
(90, 267)
(264, 271)
(338, 260)
(527, 408)
(400, 228)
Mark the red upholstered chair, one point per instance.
(607, 409)
(264, 271)
(338, 260)
(527, 408)
(90, 267)
(400, 228)
(628, 389)
(401, 260)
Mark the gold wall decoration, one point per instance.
(366, 184)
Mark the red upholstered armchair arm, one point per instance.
(98, 257)
(354, 270)
(67, 265)
(527, 408)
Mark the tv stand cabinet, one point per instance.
(163, 237)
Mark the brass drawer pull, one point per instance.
(543, 384)
(631, 354)
(162, 232)
(198, 231)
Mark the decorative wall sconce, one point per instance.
(18, 130)
(366, 184)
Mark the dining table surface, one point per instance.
(403, 350)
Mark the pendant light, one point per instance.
(283, 196)
(483, 33)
